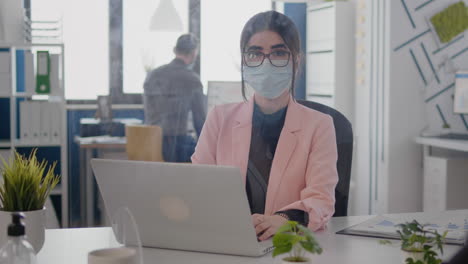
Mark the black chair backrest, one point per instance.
(344, 143)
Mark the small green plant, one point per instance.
(295, 239)
(416, 237)
(25, 185)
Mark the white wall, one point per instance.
(392, 106)
(405, 119)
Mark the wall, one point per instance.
(407, 90)
(421, 100)
(432, 81)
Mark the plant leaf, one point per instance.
(311, 247)
(26, 184)
(281, 250)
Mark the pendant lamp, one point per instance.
(166, 18)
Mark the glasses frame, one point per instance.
(263, 59)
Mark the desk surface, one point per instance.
(72, 245)
(460, 145)
(127, 121)
(101, 142)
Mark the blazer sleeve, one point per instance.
(321, 177)
(205, 151)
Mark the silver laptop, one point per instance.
(182, 206)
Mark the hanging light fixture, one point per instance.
(166, 18)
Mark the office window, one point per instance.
(221, 26)
(143, 49)
(85, 36)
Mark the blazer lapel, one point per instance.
(286, 146)
(241, 136)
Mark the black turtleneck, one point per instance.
(266, 131)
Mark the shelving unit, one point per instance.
(330, 55)
(14, 95)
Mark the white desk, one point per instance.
(72, 245)
(444, 173)
(87, 146)
(451, 144)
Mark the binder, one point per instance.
(55, 88)
(20, 71)
(5, 62)
(43, 73)
(5, 83)
(56, 122)
(45, 124)
(29, 74)
(24, 122)
(35, 121)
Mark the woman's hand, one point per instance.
(266, 225)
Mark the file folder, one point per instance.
(35, 121)
(24, 121)
(43, 73)
(5, 83)
(46, 119)
(29, 74)
(5, 62)
(56, 122)
(55, 88)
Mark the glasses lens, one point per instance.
(279, 58)
(253, 59)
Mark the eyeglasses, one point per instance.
(278, 58)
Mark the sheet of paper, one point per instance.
(454, 222)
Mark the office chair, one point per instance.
(144, 142)
(344, 142)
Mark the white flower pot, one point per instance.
(414, 255)
(308, 261)
(34, 222)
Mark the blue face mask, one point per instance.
(267, 80)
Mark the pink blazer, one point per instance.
(303, 174)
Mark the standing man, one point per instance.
(170, 93)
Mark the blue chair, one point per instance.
(344, 142)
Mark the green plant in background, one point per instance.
(451, 21)
(416, 237)
(295, 239)
(25, 185)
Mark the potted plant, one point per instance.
(419, 243)
(25, 186)
(296, 240)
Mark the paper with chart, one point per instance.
(461, 93)
(384, 226)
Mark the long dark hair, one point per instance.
(283, 26)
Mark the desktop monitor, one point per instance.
(224, 92)
(460, 104)
(104, 109)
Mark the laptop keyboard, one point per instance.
(454, 136)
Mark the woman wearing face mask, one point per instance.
(286, 152)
